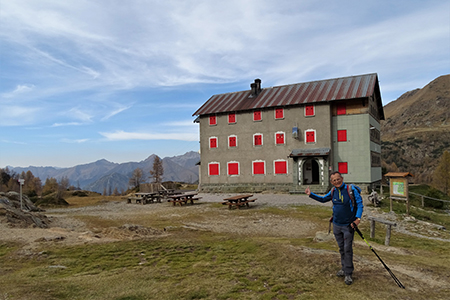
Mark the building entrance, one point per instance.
(311, 172)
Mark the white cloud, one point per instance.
(74, 141)
(115, 112)
(121, 135)
(19, 90)
(66, 124)
(13, 115)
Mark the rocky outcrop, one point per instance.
(23, 216)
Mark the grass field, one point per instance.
(201, 264)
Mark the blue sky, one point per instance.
(85, 80)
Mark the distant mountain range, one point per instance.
(102, 174)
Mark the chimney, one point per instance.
(255, 87)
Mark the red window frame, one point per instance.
(280, 167)
(279, 113)
(280, 138)
(232, 141)
(310, 136)
(341, 109)
(259, 167)
(257, 139)
(257, 115)
(212, 120)
(214, 169)
(231, 118)
(342, 135)
(309, 110)
(233, 168)
(213, 142)
(343, 167)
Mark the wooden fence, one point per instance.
(154, 187)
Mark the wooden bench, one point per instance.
(184, 200)
(238, 204)
(388, 224)
(137, 199)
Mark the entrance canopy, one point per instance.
(310, 152)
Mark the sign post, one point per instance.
(21, 182)
(398, 183)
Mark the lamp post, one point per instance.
(21, 182)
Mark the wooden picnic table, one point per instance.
(238, 201)
(184, 198)
(145, 198)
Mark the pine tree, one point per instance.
(136, 178)
(157, 172)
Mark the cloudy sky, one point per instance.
(83, 80)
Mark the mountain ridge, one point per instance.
(98, 175)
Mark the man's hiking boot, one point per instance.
(340, 273)
(348, 279)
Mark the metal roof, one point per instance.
(344, 88)
(310, 152)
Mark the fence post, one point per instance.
(423, 204)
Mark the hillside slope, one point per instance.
(417, 129)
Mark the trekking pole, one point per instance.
(387, 268)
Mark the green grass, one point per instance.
(190, 264)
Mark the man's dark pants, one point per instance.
(344, 238)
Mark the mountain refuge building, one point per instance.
(285, 138)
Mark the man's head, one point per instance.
(336, 179)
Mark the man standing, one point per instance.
(344, 216)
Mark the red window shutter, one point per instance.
(279, 113)
(279, 138)
(342, 135)
(212, 120)
(233, 168)
(258, 139)
(232, 118)
(232, 141)
(309, 110)
(258, 167)
(213, 143)
(341, 109)
(280, 167)
(310, 137)
(257, 115)
(213, 169)
(343, 167)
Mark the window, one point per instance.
(279, 113)
(280, 167)
(212, 142)
(232, 141)
(310, 136)
(212, 120)
(342, 135)
(257, 116)
(279, 138)
(213, 169)
(343, 167)
(259, 167)
(341, 109)
(257, 139)
(309, 110)
(233, 168)
(231, 118)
